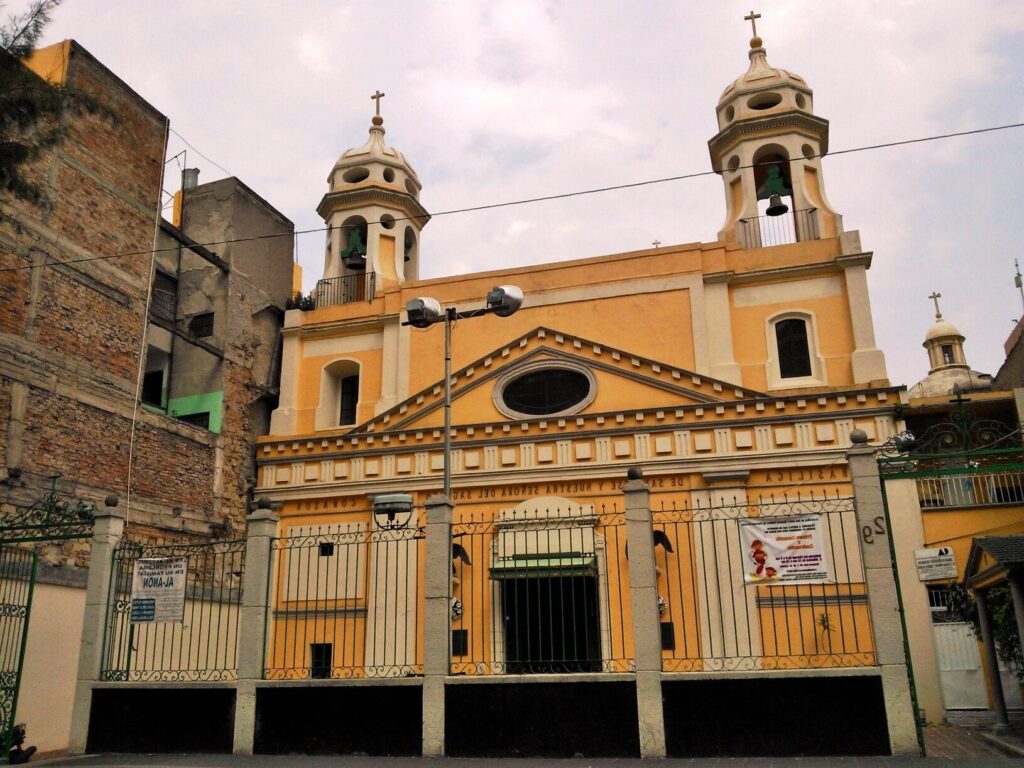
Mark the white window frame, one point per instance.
(498, 393)
(818, 377)
(328, 410)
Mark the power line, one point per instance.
(529, 200)
(185, 142)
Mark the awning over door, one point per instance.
(550, 566)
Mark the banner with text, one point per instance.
(784, 550)
(158, 589)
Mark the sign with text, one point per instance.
(158, 589)
(936, 563)
(784, 550)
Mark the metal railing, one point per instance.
(791, 227)
(971, 489)
(545, 592)
(346, 289)
(162, 305)
(200, 645)
(345, 602)
(722, 609)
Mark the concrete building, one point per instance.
(81, 329)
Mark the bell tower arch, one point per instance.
(768, 151)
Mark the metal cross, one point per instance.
(656, 243)
(935, 297)
(377, 97)
(752, 18)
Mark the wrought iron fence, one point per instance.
(200, 645)
(971, 489)
(17, 577)
(765, 231)
(541, 592)
(345, 602)
(723, 607)
(344, 290)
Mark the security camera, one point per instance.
(424, 312)
(504, 300)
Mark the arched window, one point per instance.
(793, 356)
(794, 353)
(339, 395)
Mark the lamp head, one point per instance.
(504, 300)
(424, 312)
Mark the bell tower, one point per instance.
(768, 150)
(373, 217)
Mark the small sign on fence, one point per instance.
(158, 589)
(936, 563)
(786, 550)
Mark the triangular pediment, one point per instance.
(619, 381)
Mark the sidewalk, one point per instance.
(964, 741)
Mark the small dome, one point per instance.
(941, 329)
(760, 76)
(375, 162)
(941, 383)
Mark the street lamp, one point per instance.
(423, 312)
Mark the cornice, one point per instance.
(816, 127)
(349, 197)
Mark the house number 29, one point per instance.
(868, 532)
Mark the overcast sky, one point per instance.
(496, 101)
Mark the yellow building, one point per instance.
(733, 372)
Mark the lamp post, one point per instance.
(423, 312)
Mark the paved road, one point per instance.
(303, 761)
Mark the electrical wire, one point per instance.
(529, 200)
(211, 162)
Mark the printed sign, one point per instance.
(158, 589)
(784, 550)
(936, 563)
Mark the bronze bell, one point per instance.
(775, 205)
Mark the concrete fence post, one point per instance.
(106, 534)
(883, 599)
(643, 593)
(437, 611)
(261, 528)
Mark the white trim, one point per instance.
(497, 393)
(328, 409)
(818, 377)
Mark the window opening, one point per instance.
(794, 353)
(947, 354)
(153, 388)
(196, 419)
(349, 400)
(326, 548)
(547, 391)
(201, 326)
(321, 659)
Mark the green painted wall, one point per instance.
(210, 402)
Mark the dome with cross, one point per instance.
(374, 163)
(762, 90)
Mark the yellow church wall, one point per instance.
(956, 528)
(309, 386)
(657, 326)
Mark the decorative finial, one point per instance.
(755, 41)
(656, 243)
(377, 119)
(935, 297)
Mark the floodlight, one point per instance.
(504, 300)
(424, 312)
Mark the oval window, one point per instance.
(355, 175)
(546, 392)
(764, 101)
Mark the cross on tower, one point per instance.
(935, 297)
(377, 97)
(656, 243)
(752, 18)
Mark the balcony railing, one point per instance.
(346, 289)
(974, 489)
(792, 227)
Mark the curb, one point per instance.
(1007, 747)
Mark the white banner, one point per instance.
(784, 550)
(158, 590)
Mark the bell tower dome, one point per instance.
(373, 216)
(768, 150)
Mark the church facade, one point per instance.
(732, 372)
